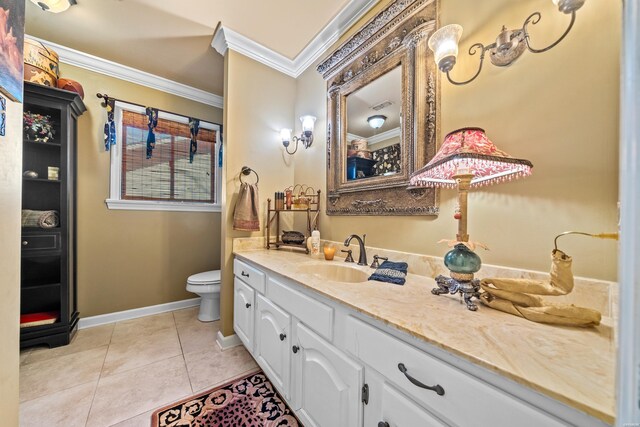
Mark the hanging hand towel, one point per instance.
(245, 214)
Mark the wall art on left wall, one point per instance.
(11, 48)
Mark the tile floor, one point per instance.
(116, 375)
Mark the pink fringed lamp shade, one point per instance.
(470, 150)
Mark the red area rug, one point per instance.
(248, 401)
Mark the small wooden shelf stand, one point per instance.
(273, 216)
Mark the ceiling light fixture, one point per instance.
(54, 6)
(308, 123)
(376, 121)
(508, 47)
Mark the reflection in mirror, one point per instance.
(374, 128)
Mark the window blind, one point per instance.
(168, 174)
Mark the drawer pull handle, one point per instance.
(245, 274)
(383, 424)
(295, 348)
(437, 388)
(248, 305)
(25, 243)
(282, 337)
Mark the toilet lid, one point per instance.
(206, 278)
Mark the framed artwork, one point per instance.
(11, 48)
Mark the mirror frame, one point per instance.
(397, 36)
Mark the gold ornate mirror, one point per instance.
(383, 115)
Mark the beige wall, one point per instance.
(131, 259)
(10, 205)
(259, 101)
(558, 109)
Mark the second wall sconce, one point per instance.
(306, 137)
(508, 47)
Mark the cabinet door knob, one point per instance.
(383, 424)
(437, 388)
(248, 305)
(282, 337)
(295, 348)
(25, 243)
(244, 274)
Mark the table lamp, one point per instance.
(466, 159)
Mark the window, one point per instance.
(167, 180)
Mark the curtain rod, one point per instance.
(106, 99)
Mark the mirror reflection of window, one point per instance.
(374, 123)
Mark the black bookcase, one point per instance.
(48, 263)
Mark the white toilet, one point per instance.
(207, 285)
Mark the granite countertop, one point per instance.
(572, 365)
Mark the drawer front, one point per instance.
(466, 400)
(41, 242)
(399, 411)
(251, 276)
(312, 313)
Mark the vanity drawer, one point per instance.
(466, 400)
(251, 276)
(312, 313)
(41, 242)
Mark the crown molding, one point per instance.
(392, 133)
(225, 38)
(119, 71)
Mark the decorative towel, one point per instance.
(245, 214)
(152, 118)
(110, 126)
(40, 219)
(391, 272)
(194, 127)
(514, 296)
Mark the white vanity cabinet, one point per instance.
(327, 382)
(336, 367)
(272, 347)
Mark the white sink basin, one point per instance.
(336, 273)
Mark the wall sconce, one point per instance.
(508, 47)
(377, 121)
(55, 6)
(308, 122)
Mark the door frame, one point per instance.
(628, 413)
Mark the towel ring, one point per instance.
(246, 170)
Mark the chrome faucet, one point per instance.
(362, 260)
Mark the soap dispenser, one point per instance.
(315, 243)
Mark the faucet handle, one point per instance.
(375, 263)
(349, 257)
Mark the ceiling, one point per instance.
(172, 39)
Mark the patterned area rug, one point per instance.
(249, 401)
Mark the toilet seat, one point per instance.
(206, 278)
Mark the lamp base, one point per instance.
(468, 289)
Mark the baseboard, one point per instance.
(226, 343)
(103, 319)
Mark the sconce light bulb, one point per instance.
(285, 135)
(444, 44)
(308, 122)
